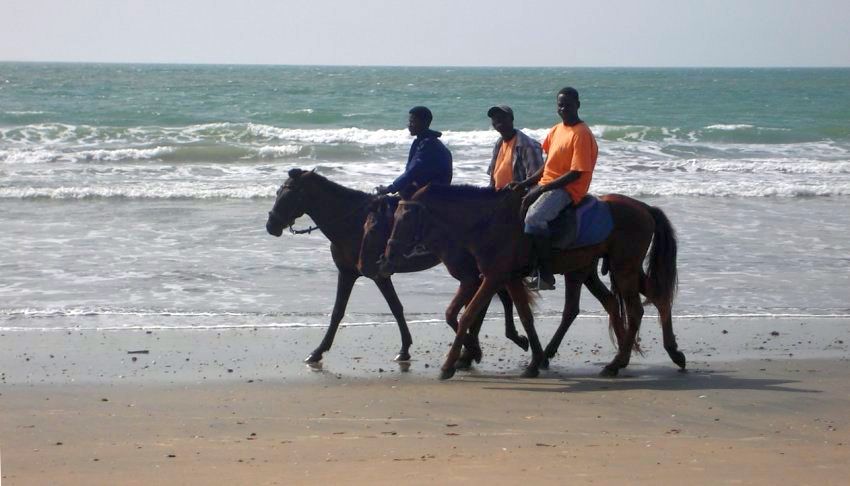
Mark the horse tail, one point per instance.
(661, 272)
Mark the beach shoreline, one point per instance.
(238, 406)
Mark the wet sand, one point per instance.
(242, 410)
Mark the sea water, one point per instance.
(135, 196)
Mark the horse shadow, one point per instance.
(654, 378)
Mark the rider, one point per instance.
(428, 161)
(516, 155)
(562, 182)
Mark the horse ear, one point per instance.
(295, 173)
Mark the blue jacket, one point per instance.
(428, 161)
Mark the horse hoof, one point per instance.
(446, 374)
(313, 358)
(402, 357)
(679, 358)
(531, 372)
(609, 371)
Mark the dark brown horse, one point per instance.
(463, 267)
(458, 262)
(488, 225)
(339, 213)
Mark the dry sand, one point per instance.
(161, 419)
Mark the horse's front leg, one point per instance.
(385, 285)
(465, 291)
(344, 284)
(572, 291)
(510, 328)
(473, 310)
(519, 294)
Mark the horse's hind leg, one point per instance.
(510, 328)
(344, 284)
(572, 291)
(463, 295)
(385, 285)
(627, 288)
(609, 303)
(665, 315)
(472, 346)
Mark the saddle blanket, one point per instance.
(588, 225)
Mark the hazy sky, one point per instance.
(436, 32)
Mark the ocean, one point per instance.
(135, 196)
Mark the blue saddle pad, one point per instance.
(592, 224)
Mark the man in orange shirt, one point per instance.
(516, 155)
(562, 182)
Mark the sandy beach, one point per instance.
(237, 407)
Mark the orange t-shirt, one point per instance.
(570, 148)
(503, 172)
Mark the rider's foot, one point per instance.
(542, 282)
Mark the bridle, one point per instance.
(278, 219)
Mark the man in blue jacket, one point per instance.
(428, 161)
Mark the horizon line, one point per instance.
(179, 63)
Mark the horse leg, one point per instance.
(519, 293)
(344, 284)
(572, 291)
(473, 309)
(385, 285)
(510, 328)
(464, 293)
(628, 291)
(472, 346)
(665, 315)
(609, 303)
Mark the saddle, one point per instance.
(589, 224)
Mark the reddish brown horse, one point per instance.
(488, 225)
(339, 213)
(463, 267)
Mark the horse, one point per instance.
(339, 213)
(460, 265)
(489, 225)
(463, 267)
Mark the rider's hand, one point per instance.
(532, 196)
(381, 190)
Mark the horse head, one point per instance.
(408, 231)
(376, 232)
(289, 204)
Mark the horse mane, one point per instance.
(331, 186)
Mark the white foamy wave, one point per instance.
(24, 113)
(275, 151)
(18, 156)
(179, 190)
(729, 127)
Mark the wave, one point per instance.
(290, 320)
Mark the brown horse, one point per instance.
(463, 267)
(339, 213)
(458, 262)
(488, 225)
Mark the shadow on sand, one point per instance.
(660, 378)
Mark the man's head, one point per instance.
(502, 119)
(419, 120)
(568, 104)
